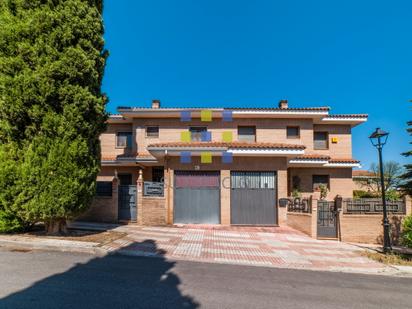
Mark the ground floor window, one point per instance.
(318, 180)
(104, 188)
(158, 174)
(125, 179)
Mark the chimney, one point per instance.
(283, 104)
(155, 103)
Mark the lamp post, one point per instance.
(378, 139)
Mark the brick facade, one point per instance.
(269, 129)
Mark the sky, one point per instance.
(354, 56)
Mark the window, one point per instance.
(125, 179)
(196, 134)
(246, 134)
(104, 188)
(157, 174)
(152, 131)
(320, 140)
(293, 132)
(318, 180)
(124, 140)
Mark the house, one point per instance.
(365, 181)
(163, 166)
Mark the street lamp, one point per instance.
(378, 139)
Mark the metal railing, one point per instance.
(302, 205)
(151, 188)
(372, 206)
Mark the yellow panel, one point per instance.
(206, 157)
(227, 137)
(185, 136)
(206, 115)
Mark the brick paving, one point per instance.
(275, 247)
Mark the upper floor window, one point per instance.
(198, 134)
(293, 132)
(246, 133)
(124, 140)
(152, 131)
(320, 140)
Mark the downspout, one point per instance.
(168, 184)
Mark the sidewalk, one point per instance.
(281, 247)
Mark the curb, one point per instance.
(88, 248)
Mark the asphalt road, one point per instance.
(67, 280)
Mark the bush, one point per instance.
(406, 237)
(363, 194)
(9, 223)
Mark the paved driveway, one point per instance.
(276, 247)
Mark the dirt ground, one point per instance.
(81, 235)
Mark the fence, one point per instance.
(372, 206)
(299, 205)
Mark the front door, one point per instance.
(253, 198)
(327, 219)
(127, 203)
(127, 206)
(197, 197)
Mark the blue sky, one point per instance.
(354, 56)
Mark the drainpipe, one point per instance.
(168, 184)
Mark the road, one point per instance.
(67, 280)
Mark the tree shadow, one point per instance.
(112, 281)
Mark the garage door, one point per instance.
(253, 198)
(196, 197)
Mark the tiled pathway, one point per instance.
(275, 247)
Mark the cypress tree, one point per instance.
(52, 110)
(407, 176)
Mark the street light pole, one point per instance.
(378, 135)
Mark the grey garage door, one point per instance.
(196, 197)
(253, 198)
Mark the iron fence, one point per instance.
(372, 206)
(302, 205)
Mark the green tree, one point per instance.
(52, 110)
(391, 170)
(407, 176)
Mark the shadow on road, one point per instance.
(112, 281)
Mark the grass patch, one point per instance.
(389, 258)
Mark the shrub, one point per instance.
(363, 194)
(406, 238)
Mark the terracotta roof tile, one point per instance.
(363, 173)
(343, 160)
(127, 157)
(313, 157)
(320, 108)
(226, 145)
(347, 116)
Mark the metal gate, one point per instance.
(327, 219)
(127, 203)
(197, 197)
(253, 198)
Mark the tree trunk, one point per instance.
(56, 227)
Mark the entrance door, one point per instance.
(253, 198)
(197, 197)
(327, 219)
(127, 203)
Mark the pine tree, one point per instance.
(407, 176)
(52, 110)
